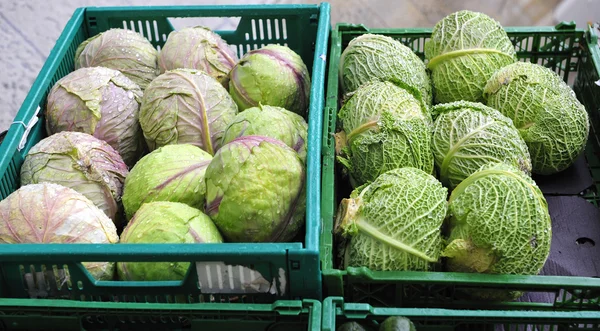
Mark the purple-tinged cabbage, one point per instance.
(255, 190)
(81, 162)
(51, 213)
(273, 75)
(186, 106)
(198, 48)
(274, 122)
(163, 222)
(170, 173)
(101, 102)
(123, 50)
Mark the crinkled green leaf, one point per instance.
(395, 221)
(468, 135)
(465, 49)
(551, 120)
(499, 223)
(385, 128)
(376, 57)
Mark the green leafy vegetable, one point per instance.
(465, 49)
(394, 223)
(551, 120)
(375, 57)
(384, 127)
(468, 135)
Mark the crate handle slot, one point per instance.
(217, 277)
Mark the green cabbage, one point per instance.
(468, 135)
(269, 121)
(169, 173)
(272, 75)
(499, 223)
(255, 190)
(165, 222)
(465, 49)
(394, 223)
(551, 120)
(384, 127)
(376, 57)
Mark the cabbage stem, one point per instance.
(370, 230)
(463, 185)
(362, 128)
(450, 55)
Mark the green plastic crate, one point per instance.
(63, 315)
(574, 55)
(237, 272)
(336, 312)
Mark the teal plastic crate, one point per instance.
(336, 312)
(233, 272)
(65, 315)
(574, 55)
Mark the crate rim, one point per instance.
(563, 26)
(538, 282)
(165, 10)
(283, 307)
(47, 310)
(336, 306)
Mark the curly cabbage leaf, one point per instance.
(377, 57)
(465, 49)
(499, 223)
(553, 123)
(468, 135)
(394, 223)
(186, 106)
(384, 127)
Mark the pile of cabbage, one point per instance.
(187, 145)
(440, 153)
